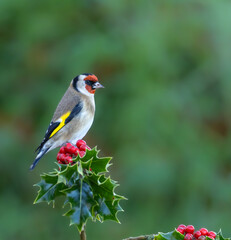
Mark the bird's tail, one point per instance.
(38, 157)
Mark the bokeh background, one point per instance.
(164, 115)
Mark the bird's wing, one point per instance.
(63, 120)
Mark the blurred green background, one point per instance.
(164, 115)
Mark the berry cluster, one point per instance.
(68, 152)
(191, 234)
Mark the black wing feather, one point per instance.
(75, 111)
(51, 128)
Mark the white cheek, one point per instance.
(82, 88)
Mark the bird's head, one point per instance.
(86, 83)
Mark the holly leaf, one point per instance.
(92, 162)
(174, 235)
(219, 236)
(104, 186)
(80, 198)
(106, 210)
(108, 201)
(68, 175)
(90, 154)
(49, 188)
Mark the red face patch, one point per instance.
(92, 78)
(89, 89)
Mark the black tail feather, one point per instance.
(38, 158)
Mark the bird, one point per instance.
(73, 116)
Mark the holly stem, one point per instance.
(83, 235)
(138, 238)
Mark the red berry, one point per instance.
(60, 161)
(197, 234)
(180, 230)
(204, 231)
(188, 236)
(81, 153)
(211, 234)
(189, 229)
(64, 158)
(182, 226)
(83, 147)
(61, 150)
(67, 160)
(80, 142)
(72, 150)
(76, 151)
(202, 237)
(60, 156)
(68, 145)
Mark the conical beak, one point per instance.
(98, 85)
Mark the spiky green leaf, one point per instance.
(80, 198)
(108, 201)
(93, 163)
(220, 236)
(68, 175)
(49, 188)
(174, 235)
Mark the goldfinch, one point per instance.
(73, 116)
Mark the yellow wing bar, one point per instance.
(62, 123)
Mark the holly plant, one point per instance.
(81, 179)
(183, 232)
